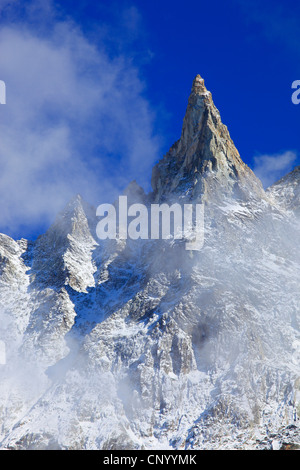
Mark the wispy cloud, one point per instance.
(270, 168)
(76, 119)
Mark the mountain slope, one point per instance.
(144, 344)
(286, 192)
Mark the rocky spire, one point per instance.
(67, 245)
(198, 85)
(196, 113)
(204, 160)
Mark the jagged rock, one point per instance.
(137, 344)
(204, 161)
(69, 244)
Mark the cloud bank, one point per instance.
(76, 120)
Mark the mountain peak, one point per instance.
(199, 104)
(204, 160)
(198, 85)
(74, 203)
(66, 245)
(140, 344)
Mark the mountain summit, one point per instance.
(141, 344)
(204, 161)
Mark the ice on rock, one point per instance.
(142, 344)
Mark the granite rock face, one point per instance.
(132, 344)
(204, 157)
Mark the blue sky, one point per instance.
(97, 91)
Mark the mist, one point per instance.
(165, 339)
(132, 344)
(76, 121)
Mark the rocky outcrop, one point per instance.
(142, 344)
(69, 244)
(204, 161)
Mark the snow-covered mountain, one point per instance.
(142, 344)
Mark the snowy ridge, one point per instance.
(143, 344)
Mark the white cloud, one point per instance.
(270, 168)
(75, 121)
